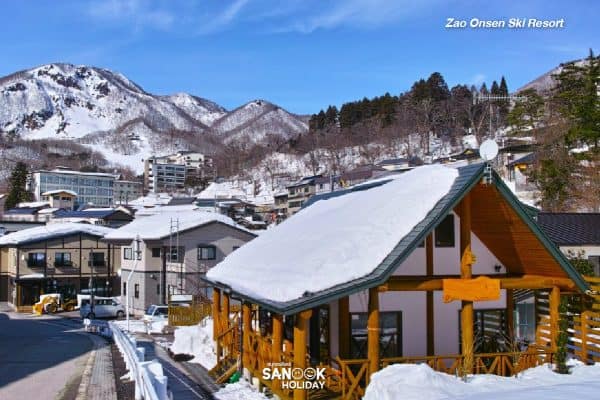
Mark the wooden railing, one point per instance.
(355, 373)
(180, 315)
(584, 329)
(228, 341)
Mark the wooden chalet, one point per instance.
(402, 310)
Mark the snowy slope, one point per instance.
(109, 113)
(546, 82)
(257, 119)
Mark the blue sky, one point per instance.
(300, 54)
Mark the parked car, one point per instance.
(156, 313)
(103, 308)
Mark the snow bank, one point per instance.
(241, 390)
(196, 341)
(409, 381)
(139, 326)
(336, 240)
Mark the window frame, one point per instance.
(127, 253)
(136, 290)
(40, 262)
(202, 247)
(445, 242)
(63, 261)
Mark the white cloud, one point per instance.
(223, 19)
(360, 13)
(140, 13)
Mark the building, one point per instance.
(517, 173)
(175, 250)
(93, 188)
(169, 173)
(362, 174)
(577, 234)
(57, 258)
(394, 164)
(63, 199)
(111, 217)
(126, 191)
(300, 191)
(422, 268)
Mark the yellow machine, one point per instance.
(51, 303)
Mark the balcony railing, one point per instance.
(63, 264)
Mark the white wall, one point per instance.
(413, 304)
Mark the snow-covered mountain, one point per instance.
(257, 119)
(109, 113)
(547, 81)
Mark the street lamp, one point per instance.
(137, 252)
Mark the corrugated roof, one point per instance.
(575, 229)
(52, 231)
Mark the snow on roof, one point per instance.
(51, 192)
(335, 240)
(51, 231)
(48, 210)
(158, 226)
(32, 204)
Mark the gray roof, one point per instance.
(575, 229)
(468, 177)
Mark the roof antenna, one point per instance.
(488, 151)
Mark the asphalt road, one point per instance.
(40, 357)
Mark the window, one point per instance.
(127, 253)
(36, 260)
(207, 252)
(176, 254)
(390, 339)
(156, 252)
(444, 232)
(62, 260)
(136, 291)
(97, 260)
(124, 288)
(158, 289)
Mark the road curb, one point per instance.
(87, 375)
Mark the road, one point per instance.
(40, 357)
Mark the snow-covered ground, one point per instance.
(420, 382)
(241, 390)
(196, 341)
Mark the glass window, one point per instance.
(97, 260)
(176, 254)
(444, 232)
(156, 252)
(127, 253)
(207, 252)
(62, 260)
(36, 260)
(136, 291)
(390, 338)
(124, 288)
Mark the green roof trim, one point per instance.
(468, 177)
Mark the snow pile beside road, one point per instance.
(409, 381)
(241, 390)
(196, 341)
(139, 326)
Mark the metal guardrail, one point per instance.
(150, 382)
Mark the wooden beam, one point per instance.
(216, 310)
(397, 283)
(277, 337)
(466, 272)
(510, 314)
(344, 327)
(300, 333)
(429, 306)
(554, 302)
(225, 312)
(373, 331)
(246, 329)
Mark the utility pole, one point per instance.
(490, 98)
(137, 252)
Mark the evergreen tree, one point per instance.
(16, 187)
(495, 90)
(504, 105)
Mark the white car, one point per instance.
(156, 313)
(103, 308)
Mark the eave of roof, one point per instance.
(468, 177)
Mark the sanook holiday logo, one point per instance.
(295, 378)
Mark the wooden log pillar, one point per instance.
(554, 302)
(300, 333)
(277, 343)
(246, 329)
(225, 312)
(510, 314)
(373, 331)
(466, 272)
(429, 294)
(216, 312)
(344, 327)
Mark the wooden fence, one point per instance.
(584, 328)
(192, 314)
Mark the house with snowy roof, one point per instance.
(56, 258)
(167, 253)
(420, 267)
